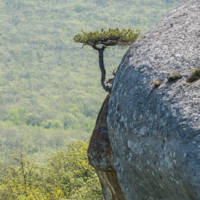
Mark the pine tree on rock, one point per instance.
(99, 40)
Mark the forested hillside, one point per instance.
(50, 89)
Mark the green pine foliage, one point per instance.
(111, 37)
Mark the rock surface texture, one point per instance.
(101, 157)
(155, 133)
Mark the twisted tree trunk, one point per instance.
(105, 86)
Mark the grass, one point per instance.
(195, 76)
(174, 77)
(156, 84)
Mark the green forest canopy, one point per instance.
(65, 175)
(50, 91)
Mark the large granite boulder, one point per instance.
(155, 133)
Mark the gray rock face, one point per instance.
(155, 133)
(100, 156)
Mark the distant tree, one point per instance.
(99, 40)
